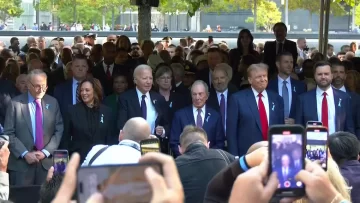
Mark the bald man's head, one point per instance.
(257, 145)
(135, 129)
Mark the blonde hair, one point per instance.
(336, 179)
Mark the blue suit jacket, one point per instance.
(212, 125)
(297, 88)
(306, 110)
(243, 123)
(63, 94)
(355, 107)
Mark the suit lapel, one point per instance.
(26, 112)
(46, 113)
(207, 118)
(250, 98)
(155, 102)
(337, 102)
(135, 103)
(313, 105)
(272, 109)
(190, 115)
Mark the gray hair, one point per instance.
(140, 68)
(200, 82)
(178, 69)
(30, 38)
(34, 72)
(256, 67)
(225, 68)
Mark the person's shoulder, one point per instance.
(95, 149)
(242, 93)
(20, 98)
(50, 99)
(128, 94)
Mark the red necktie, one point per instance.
(108, 74)
(324, 111)
(263, 118)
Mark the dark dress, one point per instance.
(86, 127)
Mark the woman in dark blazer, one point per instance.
(89, 122)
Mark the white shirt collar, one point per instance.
(129, 141)
(256, 93)
(139, 94)
(341, 88)
(319, 92)
(195, 110)
(288, 80)
(75, 82)
(225, 93)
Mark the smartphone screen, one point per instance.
(117, 183)
(287, 158)
(60, 160)
(150, 145)
(316, 145)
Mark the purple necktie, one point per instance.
(143, 107)
(222, 108)
(199, 122)
(38, 126)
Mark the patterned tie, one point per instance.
(285, 95)
(222, 109)
(143, 106)
(324, 111)
(38, 126)
(263, 118)
(78, 93)
(108, 73)
(199, 122)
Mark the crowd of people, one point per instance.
(100, 100)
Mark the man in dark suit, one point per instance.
(179, 73)
(214, 57)
(339, 77)
(218, 98)
(34, 125)
(105, 70)
(141, 102)
(200, 115)
(281, 44)
(7, 91)
(67, 93)
(252, 111)
(285, 86)
(286, 173)
(326, 104)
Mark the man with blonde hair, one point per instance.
(266, 107)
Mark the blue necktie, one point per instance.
(222, 108)
(285, 95)
(143, 106)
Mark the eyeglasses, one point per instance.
(38, 87)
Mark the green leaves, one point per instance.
(10, 8)
(267, 15)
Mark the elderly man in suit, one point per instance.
(285, 86)
(281, 44)
(222, 90)
(324, 103)
(35, 127)
(252, 111)
(142, 102)
(200, 115)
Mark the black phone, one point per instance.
(316, 144)
(117, 183)
(150, 145)
(314, 123)
(60, 160)
(287, 158)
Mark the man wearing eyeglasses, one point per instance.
(34, 125)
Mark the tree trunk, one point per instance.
(144, 20)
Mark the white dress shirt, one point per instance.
(285, 171)
(151, 114)
(265, 100)
(74, 89)
(124, 154)
(195, 112)
(111, 68)
(226, 99)
(331, 107)
(288, 85)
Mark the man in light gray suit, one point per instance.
(34, 125)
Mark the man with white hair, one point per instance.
(30, 42)
(128, 150)
(142, 102)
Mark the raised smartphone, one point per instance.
(150, 145)
(117, 183)
(286, 154)
(60, 160)
(316, 144)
